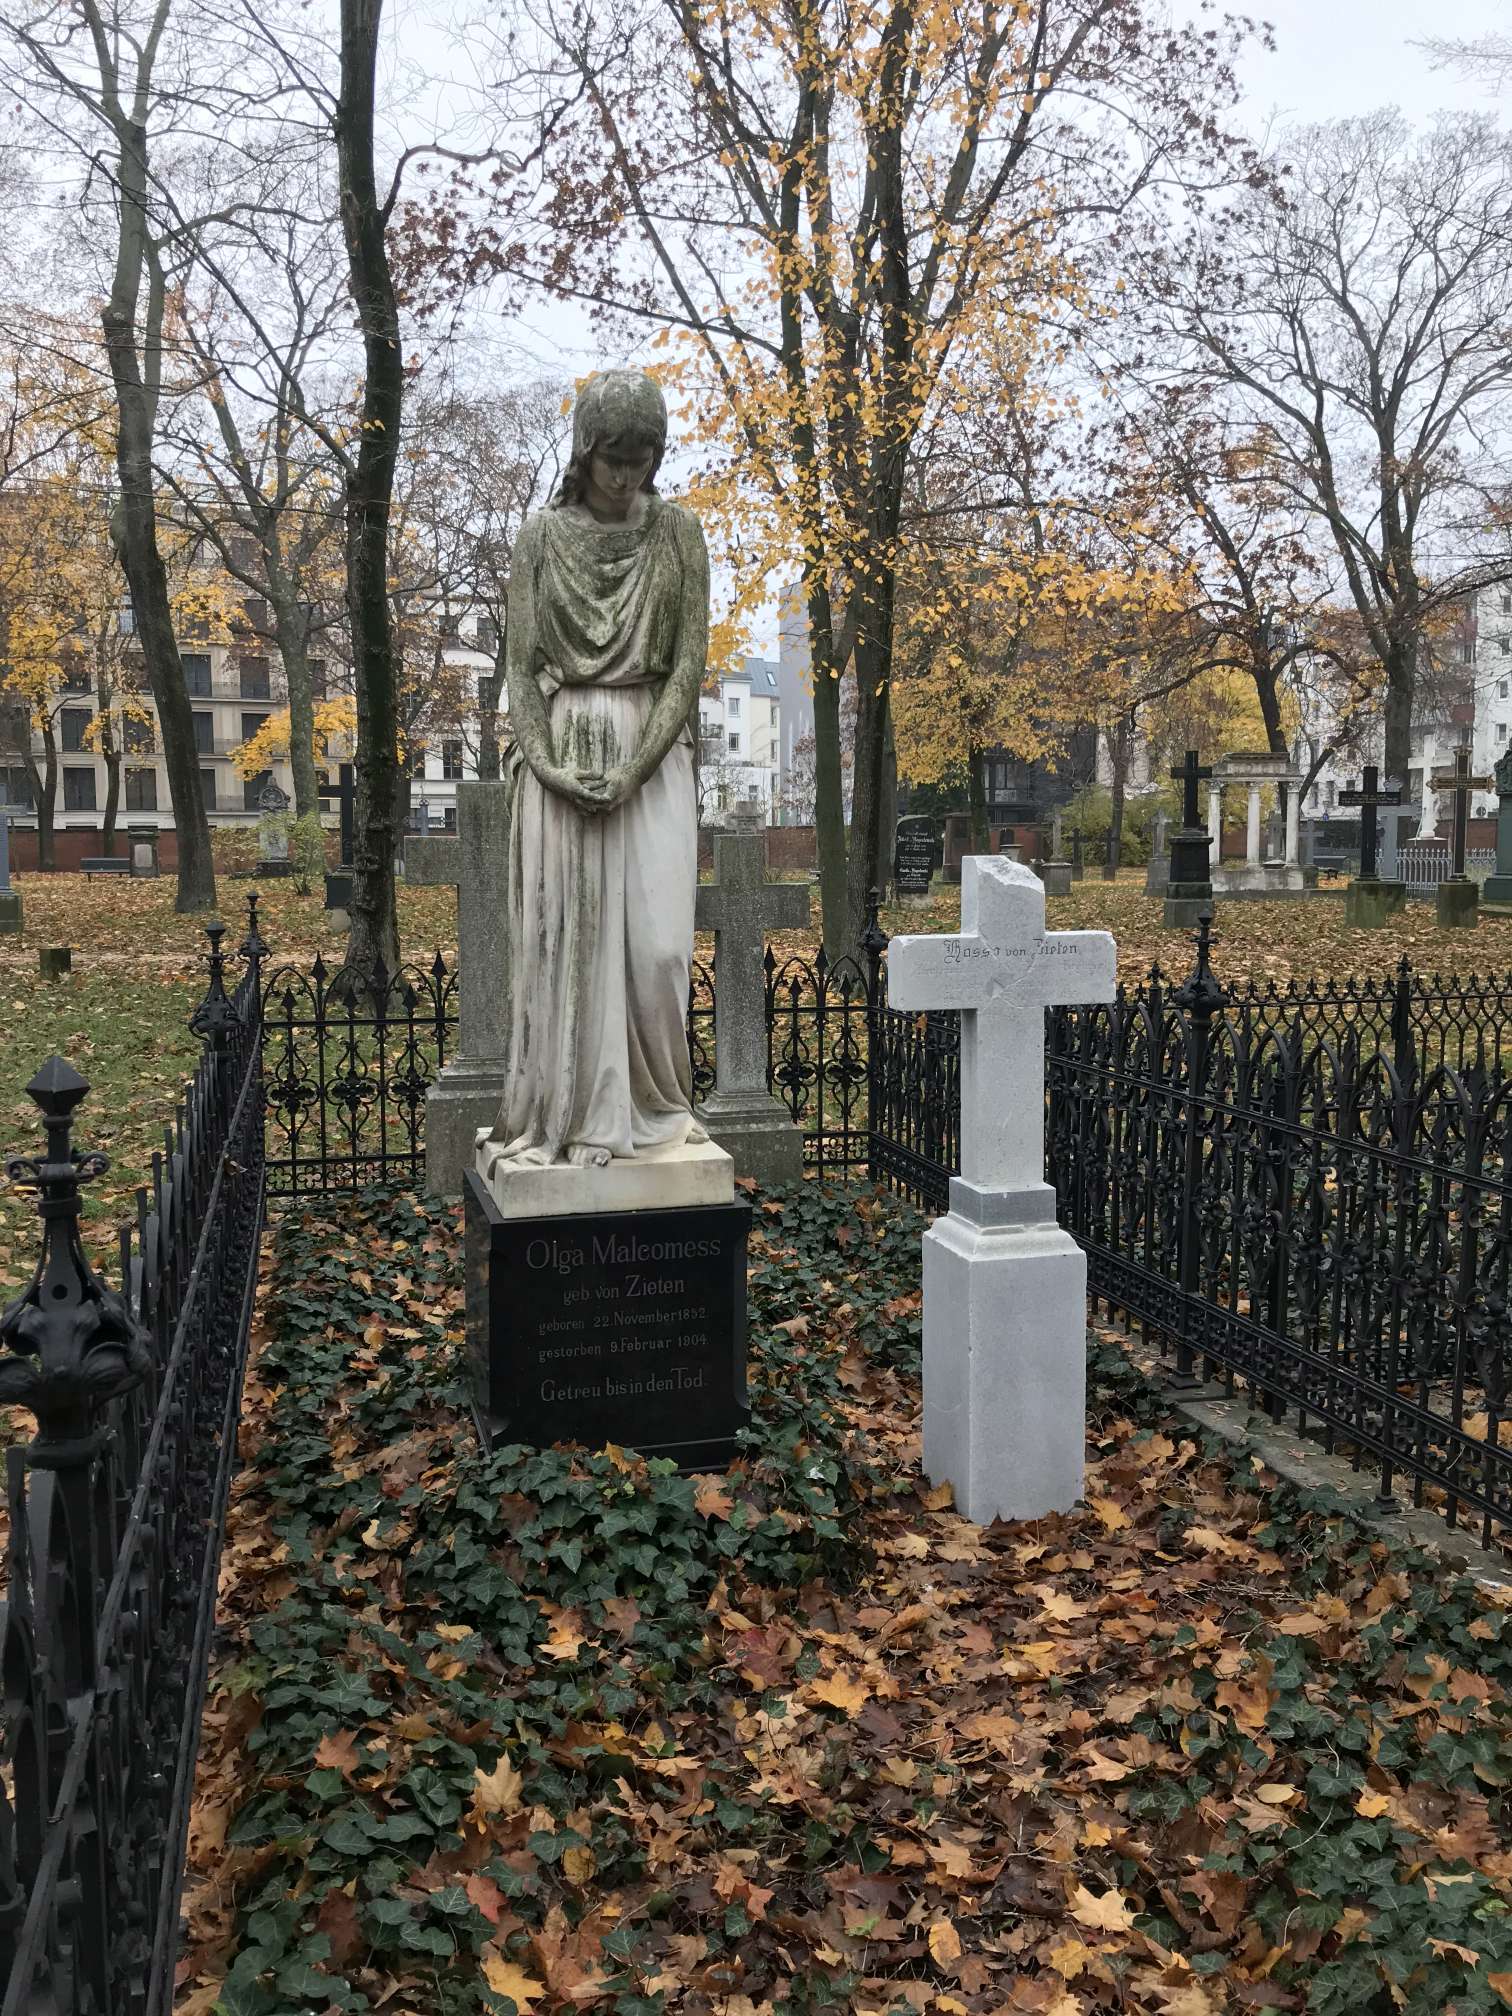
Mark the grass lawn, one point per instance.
(549, 1732)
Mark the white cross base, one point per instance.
(1005, 1290)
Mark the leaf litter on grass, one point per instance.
(560, 1730)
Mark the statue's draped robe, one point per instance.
(601, 905)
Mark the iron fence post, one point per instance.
(1200, 997)
(1403, 1047)
(873, 944)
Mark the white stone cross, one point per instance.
(1002, 972)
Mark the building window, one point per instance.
(78, 789)
(1506, 647)
(253, 788)
(126, 620)
(204, 733)
(138, 736)
(141, 791)
(488, 635)
(417, 760)
(317, 679)
(448, 818)
(734, 743)
(196, 666)
(15, 788)
(1507, 601)
(254, 679)
(250, 725)
(75, 722)
(732, 707)
(207, 789)
(75, 676)
(451, 761)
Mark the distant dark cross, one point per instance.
(1459, 783)
(1369, 796)
(1189, 776)
(344, 791)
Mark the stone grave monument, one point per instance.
(1273, 872)
(1005, 1289)
(475, 860)
(10, 896)
(1158, 870)
(1056, 872)
(1189, 890)
(914, 856)
(142, 851)
(606, 1255)
(273, 835)
(740, 906)
(1496, 893)
(1369, 901)
(1393, 818)
(1459, 895)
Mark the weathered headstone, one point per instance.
(10, 898)
(1056, 872)
(1158, 871)
(1459, 896)
(467, 1091)
(740, 906)
(1189, 889)
(1497, 893)
(53, 961)
(914, 855)
(142, 846)
(1369, 902)
(1005, 1290)
(273, 805)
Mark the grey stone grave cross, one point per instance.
(1459, 783)
(1005, 1289)
(740, 906)
(1458, 898)
(475, 860)
(1393, 819)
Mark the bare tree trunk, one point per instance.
(976, 801)
(133, 523)
(1401, 681)
(44, 789)
(829, 777)
(369, 492)
(490, 686)
(887, 811)
(289, 633)
(1120, 740)
(112, 757)
(873, 659)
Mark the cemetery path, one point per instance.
(552, 1729)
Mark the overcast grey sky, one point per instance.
(1334, 58)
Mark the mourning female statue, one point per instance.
(608, 634)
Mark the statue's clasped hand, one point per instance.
(592, 791)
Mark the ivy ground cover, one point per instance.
(551, 1731)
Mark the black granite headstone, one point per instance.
(625, 1327)
(914, 854)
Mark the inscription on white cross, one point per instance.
(1005, 1289)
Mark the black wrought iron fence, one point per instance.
(117, 1509)
(1305, 1207)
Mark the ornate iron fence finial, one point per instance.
(1201, 993)
(253, 947)
(216, 1015)
(70, 1343)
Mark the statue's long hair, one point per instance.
(625, 407)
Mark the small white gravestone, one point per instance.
(1005, 1289)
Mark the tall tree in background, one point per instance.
(369, 476)
(104, 86)
(1357, 322)
(842, 215)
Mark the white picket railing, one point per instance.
(1423, 864)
